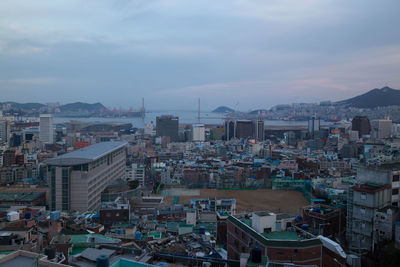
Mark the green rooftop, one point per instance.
(129, 263)
(282, 235)
(76, 239)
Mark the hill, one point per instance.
(80, 106)
(223, 109)
(385, 96)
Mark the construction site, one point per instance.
(288, 201)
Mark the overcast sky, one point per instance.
(243, 54)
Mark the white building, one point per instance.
(198, 132)
(381, 129)
(77, 179)
(138, 173)
(46, 129)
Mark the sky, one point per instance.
(243, 54)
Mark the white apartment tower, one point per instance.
(46, 129)
(198, 131)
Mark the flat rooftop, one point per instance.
(370, 187)
(86, 154)
(20, 261)
(282, 235)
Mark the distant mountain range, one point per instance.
(385, 96)
(222, 109)
(67, 108)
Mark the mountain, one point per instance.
(385, 96)
(223, 109)
(80, 106)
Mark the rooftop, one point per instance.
(282, 235)
(86, 154)
(370, 187)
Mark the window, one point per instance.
(396, 178)
(362, 211)
(236, 243)
(243, 249)
(363, 225)
(395, 191)
(363, 196)
(236, 230)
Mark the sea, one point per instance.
(185, 117)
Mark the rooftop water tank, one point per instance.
(202, 230)
(138, 235)
(256, 255)
(50, 252)
(55, 215)
(102, 261)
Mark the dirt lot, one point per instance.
(254, 200)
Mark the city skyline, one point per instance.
(243, 54)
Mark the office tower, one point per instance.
(198, 132)
(167, 125)
(313, 126)
(258, 129)
(77, 179)
(4, 131)
(381, 129)
(46, 129)
(361, 124)
(244, 129)
(230, 128)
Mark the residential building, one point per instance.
(363, 201)
(381, 129)
(290, 246)
(198, 132)
(46, 129)
(4, 131)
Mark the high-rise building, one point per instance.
(361, 124)
(230, 128)
(258, 129)
(244, 129)
(381, 129)
(77, 179)
(4, 131)
(313, 125)
(198, 132)
(46, 129)
(167, 125)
